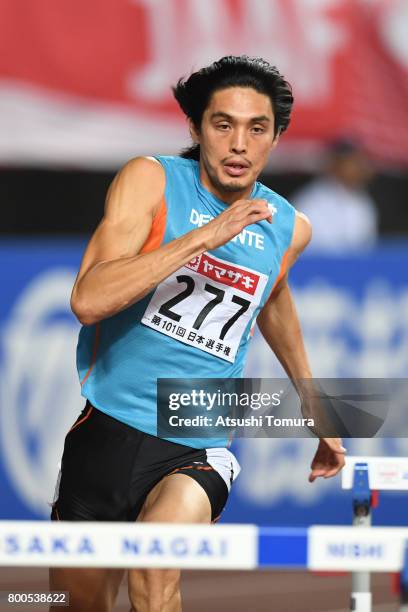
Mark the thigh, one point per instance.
(189, 477)
(177, 498)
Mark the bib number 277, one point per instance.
(207, 304)
(165, 309)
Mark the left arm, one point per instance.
(279, 324)
(278, 320)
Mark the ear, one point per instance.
(193, 132)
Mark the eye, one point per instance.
(223, 126)
(258, 129)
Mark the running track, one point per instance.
(222, 591)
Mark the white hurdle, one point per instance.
(385, 473)
(365, 476)
(358, 548)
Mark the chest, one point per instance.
(210, 301)
(257, 247)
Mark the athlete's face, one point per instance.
(236, 138)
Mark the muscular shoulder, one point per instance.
(140, 184)
(302, 233)
(142, 170)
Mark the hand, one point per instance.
(232, 221)
(328, 460)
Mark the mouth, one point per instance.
(237, 168)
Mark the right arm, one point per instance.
(113, 275)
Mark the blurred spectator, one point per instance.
(342, 213)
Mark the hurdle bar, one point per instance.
(384, 473)
(245, 547)
(366, 476)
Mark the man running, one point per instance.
(198, 243)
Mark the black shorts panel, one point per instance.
(108, 468)
(212, 483)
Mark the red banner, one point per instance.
(89, 82)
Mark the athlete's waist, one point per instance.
(103, 418)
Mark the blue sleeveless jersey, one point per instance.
(165, 336)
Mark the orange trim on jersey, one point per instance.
(94, 353)
(83, 419)
(217, 518)
(252, 328)
(155, 238)
(282, 272)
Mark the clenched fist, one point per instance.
(233, 220)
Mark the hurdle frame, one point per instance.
(359, 548)
(366, 476)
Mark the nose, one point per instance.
(238, 144)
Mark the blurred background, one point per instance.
(86, 86)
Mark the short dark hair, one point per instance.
(193, 94)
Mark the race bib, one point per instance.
(207, 304)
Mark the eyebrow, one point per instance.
(221, 114)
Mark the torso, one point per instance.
(197, 323)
